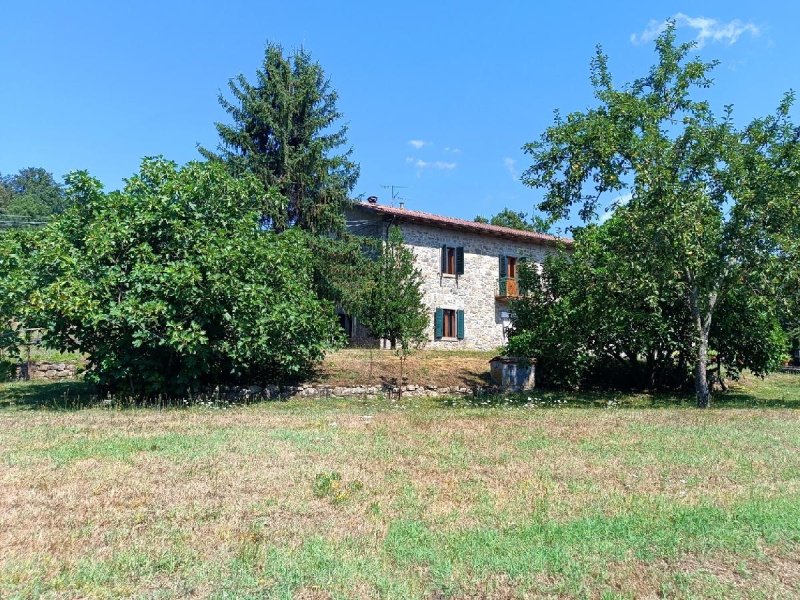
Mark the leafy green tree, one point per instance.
(172, 284)
(389, 299)
(597, 316)
(31, 192)
(15, 285)
(518, 220)
(715, 205)
(594, 315)
(342, 266)
(286, 131)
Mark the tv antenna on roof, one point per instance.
(395, 195)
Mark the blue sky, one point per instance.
(439, 96)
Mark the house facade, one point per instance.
(469, 271)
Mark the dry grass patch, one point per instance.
(426, 367)
(442, 499)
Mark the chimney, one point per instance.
(372, 199)
(402, 204)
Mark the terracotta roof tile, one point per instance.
(418, 216)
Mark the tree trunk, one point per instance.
(700, 366)
(400, 383)
(652, 367)
(720, 379)
(702, 322)
(370, 363)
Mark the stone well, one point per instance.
(513, 373)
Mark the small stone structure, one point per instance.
(513, 373)
(44, 370)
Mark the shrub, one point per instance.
(171, 284)
(596, 317)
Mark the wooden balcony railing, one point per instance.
(507, 287)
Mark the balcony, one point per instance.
(507, 289)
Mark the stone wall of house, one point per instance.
(46, 370)
(474, 292)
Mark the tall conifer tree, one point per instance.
(287, 131)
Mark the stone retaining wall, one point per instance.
(60, 371)
(274, 392)
(47, 370)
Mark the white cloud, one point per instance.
(452, 150)
(418, 143)
(707, 29)
(615, 204)
(511, 166)
(435, 164)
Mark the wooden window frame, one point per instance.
(452, 260)
(511, 267)
(449, 325)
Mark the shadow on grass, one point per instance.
(544, 398)
(473, 378)
(48, 395)
(775, 391)
(78, 395)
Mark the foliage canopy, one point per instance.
(713, 211)
(518, 220)
(286, 131)
(32, 193)
(596, 316)
(390, 302)
(172, 284)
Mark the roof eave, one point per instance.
(544, 239)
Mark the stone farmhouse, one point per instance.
(469, 272)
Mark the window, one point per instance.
(452, 261)
(512, 267)
(508, 283)
(508, 267)
(449, 324)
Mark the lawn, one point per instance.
(541, 495)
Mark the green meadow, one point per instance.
(540, 495)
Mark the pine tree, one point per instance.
(286, 130)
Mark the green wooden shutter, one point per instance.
(438, 323)
(460, 260)
(443, 260)
(503, 266)
(460, 324)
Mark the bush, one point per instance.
(171, 284)
(596, 317)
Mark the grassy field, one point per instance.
(541, 495)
